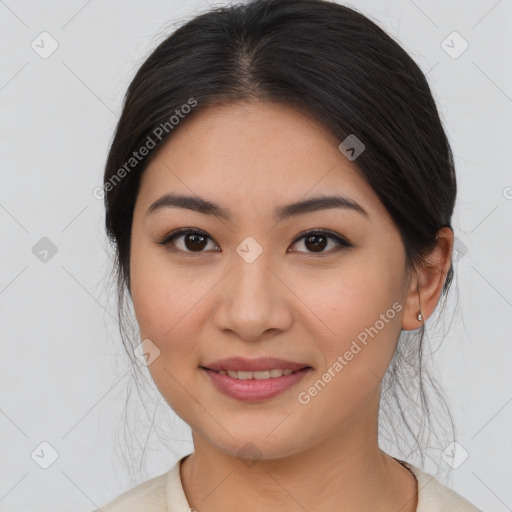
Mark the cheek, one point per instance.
(170, 304)
(160, 298)
(362, 308)
(359, 304)
(167, 307)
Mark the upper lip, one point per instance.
(254, 365)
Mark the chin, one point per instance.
(252, 447)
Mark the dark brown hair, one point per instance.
(338, 67)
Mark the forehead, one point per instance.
(259, 153)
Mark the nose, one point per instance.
(253, 302)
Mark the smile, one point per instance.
(263, 374)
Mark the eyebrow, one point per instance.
(200, 205)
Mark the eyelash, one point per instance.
(170, 237)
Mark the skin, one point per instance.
(291, 302)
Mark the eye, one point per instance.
(318, 239)
(194, 241)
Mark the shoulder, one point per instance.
(149, 496)
(433, 496)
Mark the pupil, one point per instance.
(195, 239)
(316, 245)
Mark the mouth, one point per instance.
(256, 385)
(271, 373)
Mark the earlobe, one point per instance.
(427, 285)
(414, 312)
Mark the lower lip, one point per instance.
(253, 390)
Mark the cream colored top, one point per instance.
(164, 493)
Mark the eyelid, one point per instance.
(166, 241)
(342, 242)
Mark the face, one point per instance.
(246, 280)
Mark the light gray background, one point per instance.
(63, 375)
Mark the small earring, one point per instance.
(420, 317)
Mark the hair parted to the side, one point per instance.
(341, 69)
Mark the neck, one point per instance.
(345, 472)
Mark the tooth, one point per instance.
(265, 374)
(262, 374)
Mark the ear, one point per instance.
(427, 282)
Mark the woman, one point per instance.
(279, 193)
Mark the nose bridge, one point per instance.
(252, 300)
(252, 281)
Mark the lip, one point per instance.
(255, 390)
(253, 365)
